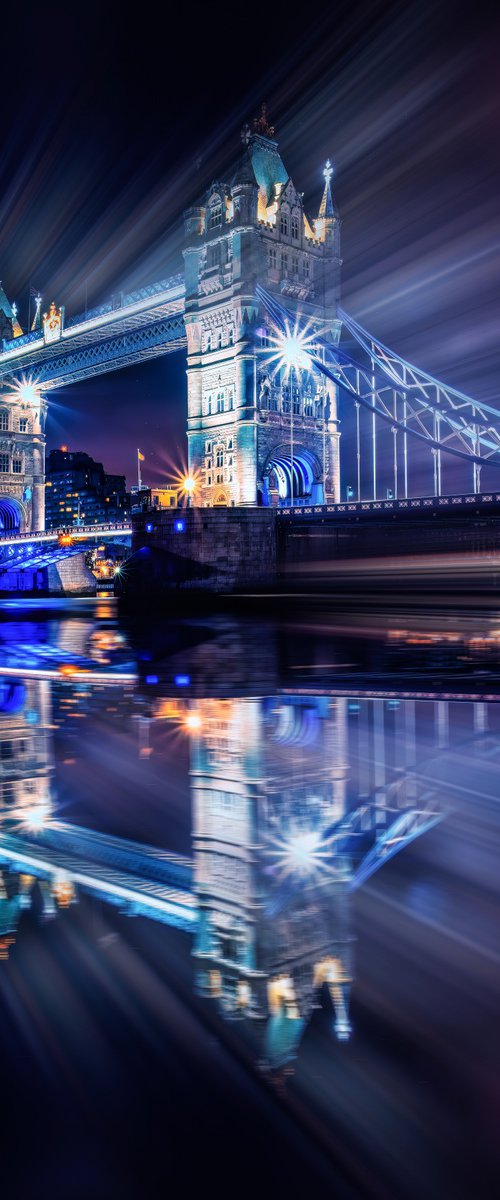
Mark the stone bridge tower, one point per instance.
(257, 434)
(23, 414)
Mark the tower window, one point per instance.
(215, 214)
(208, 447)
(17, 464)
(295, 226)
(23, 425)
(219, 460)
(295, 265)
(284, 224)
(4, 420)
(4, 463)
(284, 264)
(272, 256)
(306, 268)
(220, 402)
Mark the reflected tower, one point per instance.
(268, 777)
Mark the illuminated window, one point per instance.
(284, 223)
(17, 464)
(4, 463)
(215, 214)
(23, 425)
(272, 256)
(295, 226)
(4, 420)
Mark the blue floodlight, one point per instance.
(179, 526)
(149, 527)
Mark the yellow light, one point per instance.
(192, 721)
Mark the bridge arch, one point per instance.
(288, 476)
(12, 515)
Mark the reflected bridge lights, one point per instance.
(301, 854)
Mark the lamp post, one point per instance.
(189, 487)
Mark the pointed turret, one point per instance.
(6, 316)
(327, 213)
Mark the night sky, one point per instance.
(112, 127)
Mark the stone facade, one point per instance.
(252, 428)
(22, 460)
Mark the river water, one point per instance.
(249, 902)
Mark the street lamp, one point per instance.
(189, 487)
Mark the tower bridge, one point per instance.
(257, 312)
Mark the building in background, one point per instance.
(79, 492)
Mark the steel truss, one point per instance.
(110, 354)
(402, 396)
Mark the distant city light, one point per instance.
(179, 526)
(149, 527)
(182, 680)
(151, 679)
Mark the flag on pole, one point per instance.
(140, 456)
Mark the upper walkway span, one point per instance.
(130, 328)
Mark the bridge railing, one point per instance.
(73, 531)
(419, 502)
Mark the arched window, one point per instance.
(4, 420)
(219, 457)
(215, 213)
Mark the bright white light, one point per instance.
(26, 391)
(189, 484)
(192, 721)
(36, 817)
(291, 349)
(302, 854)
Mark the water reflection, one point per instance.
(297, 826)
(295, 801)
